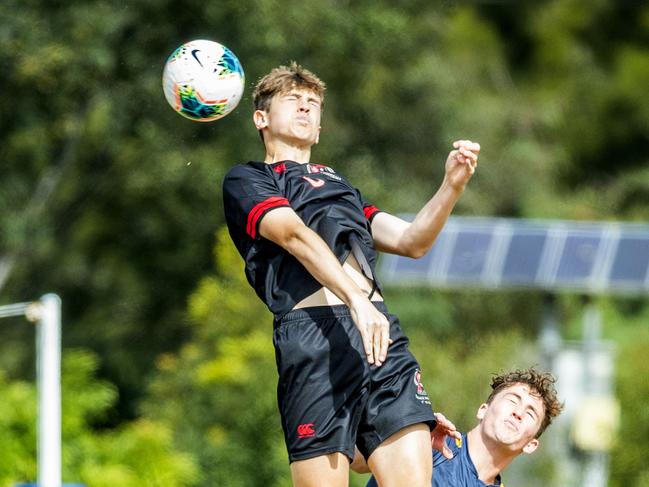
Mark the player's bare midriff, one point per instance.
(324, 297)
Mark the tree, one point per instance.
(139, 453)
(218, 392)
(110, 199)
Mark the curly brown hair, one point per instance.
(540, 383)
(282, 79)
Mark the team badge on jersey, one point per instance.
(322, 169)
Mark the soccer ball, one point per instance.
(203, 80)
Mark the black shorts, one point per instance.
(330, 398)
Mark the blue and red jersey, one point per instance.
(459, 471)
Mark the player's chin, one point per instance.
(305, 133)
(508, 438)
(308, 141)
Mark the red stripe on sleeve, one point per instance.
(370, 211)
(259, 209)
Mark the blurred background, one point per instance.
(111, 200)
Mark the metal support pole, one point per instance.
(17, 309)
(549, 336)
(598, 391)
(48, 348)
(47, 314)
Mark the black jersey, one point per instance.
(324, 200)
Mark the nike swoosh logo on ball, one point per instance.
(196, 57)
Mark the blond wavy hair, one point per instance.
(283, 79)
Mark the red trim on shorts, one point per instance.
(370, 211)
(259, 209)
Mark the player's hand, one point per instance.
(438, 435)
(374, 328)
(461, 163)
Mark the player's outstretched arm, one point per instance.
(284, 227)
(413, 239)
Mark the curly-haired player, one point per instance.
(522, 404)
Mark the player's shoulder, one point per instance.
(246, 169)
(455, 445)
(245, 174)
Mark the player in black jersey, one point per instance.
(309, 242)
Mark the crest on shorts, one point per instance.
(420, 394)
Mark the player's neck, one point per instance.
(279, 151)
(489, 460)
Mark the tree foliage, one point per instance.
(218, 392)
(136, 454)
(111, 200)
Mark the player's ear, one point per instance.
(531, 446)
(481, 411)
(260, 118)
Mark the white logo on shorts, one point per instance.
(421, 393)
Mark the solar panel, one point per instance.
(629, 268)
(591, 257)
(468, 257)
(578, 258)
(523, 257)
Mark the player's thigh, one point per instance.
(404, 459)
(331, 470)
